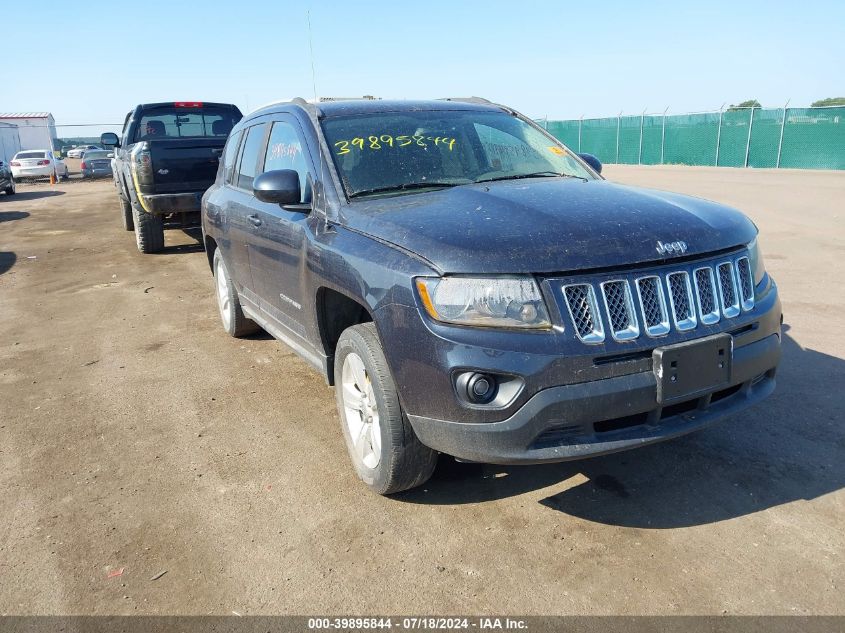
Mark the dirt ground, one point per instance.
(136, 437)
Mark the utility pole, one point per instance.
(719, 133)
(782, 126)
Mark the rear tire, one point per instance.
(149, 231)
(234, 320)
(384, 449)
(10, 190)
(126, 214)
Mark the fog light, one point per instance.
(480, 388)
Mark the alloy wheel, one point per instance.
(361, 411)
(223, 301)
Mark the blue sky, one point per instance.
(556, 59)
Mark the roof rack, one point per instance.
(364, 98)
(311, 103)
(481, 100)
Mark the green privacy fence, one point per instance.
(806, 138)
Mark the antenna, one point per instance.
(314, 86)
(311, 49)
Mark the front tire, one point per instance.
(384, 449)
(149, 231)
(234, 320)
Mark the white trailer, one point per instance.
(10, 142)
(36, 130)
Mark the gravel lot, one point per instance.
(136, 436)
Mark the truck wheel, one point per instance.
(126, 214)
(149, 231)
(234, 320)
(10, 190)
(385, 451)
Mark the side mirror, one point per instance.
(592, 161)
(110, 138)
(280, 186)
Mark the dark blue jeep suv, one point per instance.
(472, 287)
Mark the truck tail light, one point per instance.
(142, 164)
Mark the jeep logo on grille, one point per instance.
(671, 248)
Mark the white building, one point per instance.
(10, 142)
(36, 130)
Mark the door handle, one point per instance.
(254, 219)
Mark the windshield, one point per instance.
(30, 155)
(394, 152)
(91, 153)
(182, 122)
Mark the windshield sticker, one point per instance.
(389, 141)
(554, 149)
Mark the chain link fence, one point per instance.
(69, 135)
(803, 138)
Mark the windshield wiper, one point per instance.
(536, 174)
(402, 187)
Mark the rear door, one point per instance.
(239, 211)
(277, 243)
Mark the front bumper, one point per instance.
(604, 416)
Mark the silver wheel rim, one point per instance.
(223, 294)
(360, 411)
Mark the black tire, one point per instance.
(404, 461)
(10, 190)
(237, 324)
(149, 231)
(126, 214)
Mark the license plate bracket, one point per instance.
(691, 369)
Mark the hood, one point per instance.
(546, 226)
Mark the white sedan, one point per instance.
(37, 163)
(77, 152)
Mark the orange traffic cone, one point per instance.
(53, 178)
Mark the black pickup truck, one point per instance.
(164, 160)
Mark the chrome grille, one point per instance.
(620, 310)
(653, 304)
(584, 311)
(705, 290)
(682, 298)
(727, 289)
(746, 283)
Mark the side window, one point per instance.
(229, 155)
(284, 151)
(252, 146)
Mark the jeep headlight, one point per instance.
(755, 258)
(510, 302)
